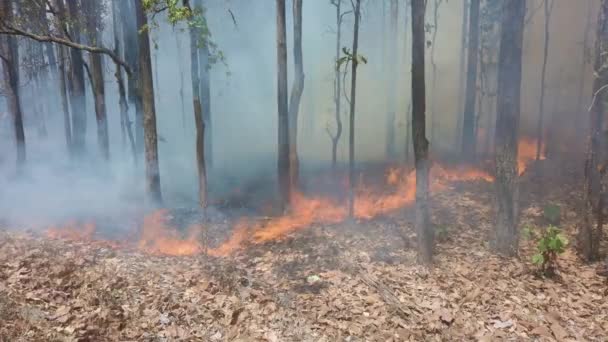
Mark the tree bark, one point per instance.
(462, 70)
(205, 92)
(296, 95)
(590, 233)
(468, 125)
(391, 96)
(10, 53)
(97, 81)
(506, 237)
(335, 138)
(283, 115)
(421, 145)
(67, 126)
(541, 112)
(434, 72)
(149, 111)
(77, 95)
(353, 93)
(195, 37)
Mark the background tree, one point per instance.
(462, 69)
(468, 132)
(296, 94)
(283, 134)
(596, 164)
(9, 53)
(391, 96)
(424, 230)
(153, 190)
(548, 7)
(506, 236)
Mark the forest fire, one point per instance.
(527, 153)
(72, 232)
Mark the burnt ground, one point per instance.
(356, 281)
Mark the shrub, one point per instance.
(551, 244)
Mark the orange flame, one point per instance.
(158, 238)
(72, 232)
(527, 153)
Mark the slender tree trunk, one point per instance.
(506, 236)
(335, 139)
(584, 61)
(283, 134)
(149, 111)
(130, 40)
(77, 95)
(353, 93)
(424, 230)
(97, 81)
(590, 233)
(205, 92)
(122, 99)
(67, 127)
(468, 132)
(195, 37)
(462, 70)
(181, 83)
(296, 95)
(10, 53)
(408, 112)
(434, 94)
(541, 112)
(391, 94)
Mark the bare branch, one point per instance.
(14, 31)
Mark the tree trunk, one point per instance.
(283, 134)
(335, 139)
(391, 95)
(122, 99)
(130, 40)
(351, 122)
(506, 236)
(195, 37)
(434, 71)
(205, 92)
(468, 125)
(541, 112)
(421, 145)
(149, 111)
(408, 114)
(462, 70)
(77, 96)
(97, 81)
(584, 60)
(67, 127)
(10, 53)
(596, 165)
(296, 95)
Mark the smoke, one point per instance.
(243, 105)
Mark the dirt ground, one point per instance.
(356, 281)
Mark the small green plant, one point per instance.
(551, 244)
(442, 233)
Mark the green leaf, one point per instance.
(538, 259)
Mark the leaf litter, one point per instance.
(355, 281)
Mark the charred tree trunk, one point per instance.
(424, 230)
(353, 93)
(541, 112)
(283, 134)
(506, 236)
(596, 165)
(149, 111)
(10, 58)
(468, 125)
(296, 95)
(391, 151)
(77, 95)
(195, 37)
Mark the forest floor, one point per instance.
(355, 281)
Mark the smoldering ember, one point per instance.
(319, 170)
